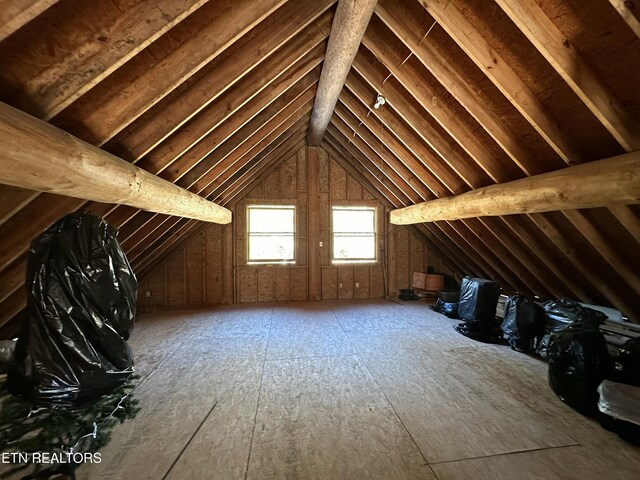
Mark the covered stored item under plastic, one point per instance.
(559, 314)
(478, 300)
(80, 310)
(619, 406)
(523, 322)
(578, 361)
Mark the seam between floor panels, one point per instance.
(515, 452)
(255, 417)
(384, 394)
(189, 441)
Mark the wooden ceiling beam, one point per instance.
(16, 13)
(394, 129)
(400, 168)
(268, 160)
(349, 23)
(381, 190)
(270, 48)
(585, 270)
(567, 61)
(82, 61)
(180, 155)
(489, 61)
(59, 163)
(604, 248)
(624, 8)
(214, 182)
(411, 79)
(465, 95)
(614, 180)
(128, 98)
(408, 111)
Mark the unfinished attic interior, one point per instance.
(295, 184)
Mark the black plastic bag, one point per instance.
(481, 332)
(523, 323)
(448, 309)
(578, 362)
(478, 300)
(628, 362)
(80, 309)
(559, 314)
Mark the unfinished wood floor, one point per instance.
(357, 389)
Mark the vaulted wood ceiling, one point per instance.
(211, 95)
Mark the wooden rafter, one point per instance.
(59, 163)
(568, 62)
(349, 23)
(495, 68)
(604, 182)
(15, 13)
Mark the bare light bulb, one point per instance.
(380, 100)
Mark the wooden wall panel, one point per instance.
(213, 264)
(299, 283)
(248, 285)
(282, 284)
(346, 282)
(175, 282)
(362, 276)
(329, 283)
(196, 276)
(266, 284)
(194, 271)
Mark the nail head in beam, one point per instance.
(39, 156)
(610, 181)
(349, 24)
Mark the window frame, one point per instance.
(270, 206)
(354, 205)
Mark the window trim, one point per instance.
(270, 206)
(355, 206)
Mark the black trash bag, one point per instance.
(449, 296)
(628, 362)
(80, 309)
(523, 323)
(478, 300)
(578, 362)
(448, 309)
(559, 314)
(481, 332)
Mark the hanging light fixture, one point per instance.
(380, 100)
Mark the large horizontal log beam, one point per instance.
(349, 23)
(609, 181)
(39, 156)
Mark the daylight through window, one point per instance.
(270, 230)
(354, 234)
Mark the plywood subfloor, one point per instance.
(345, 389)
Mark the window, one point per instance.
(270, 232)
(354, 234)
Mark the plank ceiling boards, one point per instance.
(214, 96)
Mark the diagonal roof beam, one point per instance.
(59, 163)
(567, 61)
(349, 23)
(614, 180)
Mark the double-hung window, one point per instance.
(354, 234)
(271, 234)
